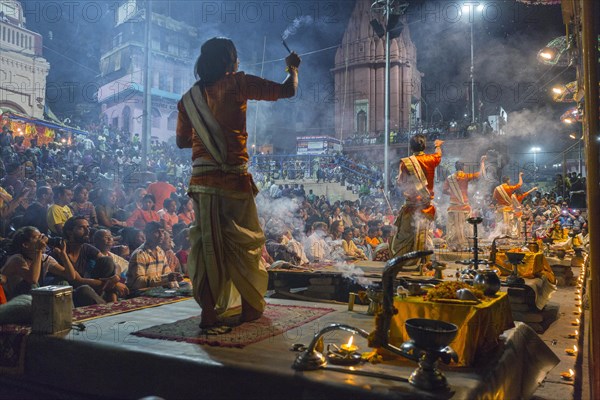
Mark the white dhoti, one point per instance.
(413, 232)
(456, 235)
(505, 217)
(226, 246)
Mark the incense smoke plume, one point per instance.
(352, 272)
(297, 24)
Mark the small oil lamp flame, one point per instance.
(568, 376)
(349, 348)
(576, 322)
(574, 335)
(572, 351)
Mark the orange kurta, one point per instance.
(509, 191)
(227, 99)
(463, 179)
(428, 163)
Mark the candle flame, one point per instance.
(350, 341)
(574, 347)
(577, 320)
(571, 372)
(576, 332)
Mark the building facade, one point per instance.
(360, 77)
(23, 70)
(122, 65)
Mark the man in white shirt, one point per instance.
(316, 247)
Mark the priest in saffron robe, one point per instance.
(457, 187)
(415, 179)
(226, 238)
(502, 198)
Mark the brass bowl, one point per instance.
(514, 257)
(430, 334)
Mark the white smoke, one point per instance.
(297, 24)
(350, 271)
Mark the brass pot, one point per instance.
(487, 281)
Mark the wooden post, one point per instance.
(589, 25)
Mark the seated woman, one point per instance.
(141, 216)
(81, 206)
(351, 251)
(27, 267)
(186, 211)
(106, 211)
(359, 240)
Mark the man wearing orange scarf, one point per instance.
(457, 187)
(502, 197)
(415, 179)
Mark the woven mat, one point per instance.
(87, 313)
(275, 320)
(13, 338)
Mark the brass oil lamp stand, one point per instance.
(515, 259)
(475, 261)
(428, 344)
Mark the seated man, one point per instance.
(315, 246)
(85, 259)
(59, 212)
(148, 263)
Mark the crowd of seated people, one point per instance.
(124, 229)
(356, 172)
(84, 206)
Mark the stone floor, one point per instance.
(557, 338)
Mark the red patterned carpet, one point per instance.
(275, 320)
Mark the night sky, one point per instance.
(507, 36)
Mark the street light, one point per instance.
(391, 10)
(535, 150)
(466, 8)
(579, 140)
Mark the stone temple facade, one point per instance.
(360, 77)
(23, 70)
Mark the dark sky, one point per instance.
(507, 36)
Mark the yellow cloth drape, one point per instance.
(226, 249)
(534, 265)
(479, 326)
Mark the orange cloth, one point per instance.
(534, 265)
(139, 218)
(509, 191)
(2, 295)
(185, 219)
(374, 242)
(463, 179)
(227, 99)
(428, 163)
(161, 191)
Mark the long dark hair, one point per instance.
(218, 56)
(21, 236)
